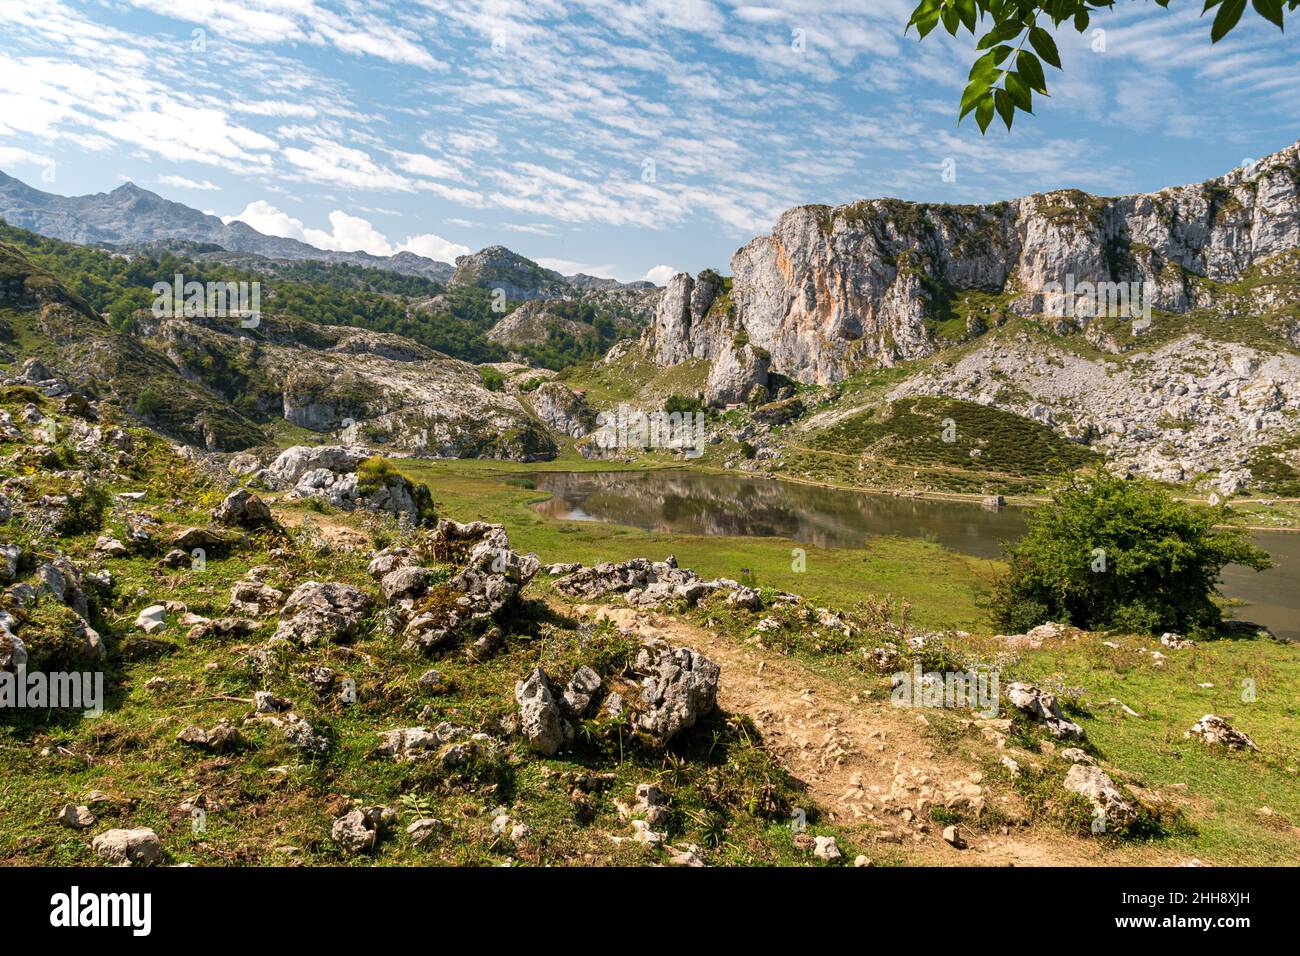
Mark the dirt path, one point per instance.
(869, 764)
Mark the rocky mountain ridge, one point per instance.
(129, 215)
(878, 282)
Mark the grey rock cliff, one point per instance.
(831, 288)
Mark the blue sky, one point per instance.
(618, 138)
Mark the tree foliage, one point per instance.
(1125, 555)
(1019, 40)
(453, 320)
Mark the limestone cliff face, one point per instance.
(831, 288)
(693, 319)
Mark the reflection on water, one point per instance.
(733, 505)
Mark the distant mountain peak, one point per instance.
(131, 215)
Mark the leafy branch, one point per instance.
(1006, 75)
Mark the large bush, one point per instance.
(1125, 555)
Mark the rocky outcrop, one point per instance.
(864, 283)
(489, 580)
(1041, 707)
(294, 462)
(242, 508)
(359, 830)
(686, 324)
(330, 473)
(532, 324)
(540, 719)
(646, 583)
(138, 847)
(367, 387)
(496, 267)
(562, 409)
(666, 691)
(1111, 809)
(678, 687)
(1214, 731)
(1190, 407)
(317, 613)
(738, 375)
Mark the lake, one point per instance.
(742, 506)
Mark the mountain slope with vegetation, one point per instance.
(217, 385)
(286, 701)
(455, 319)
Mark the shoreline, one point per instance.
(1010, 501)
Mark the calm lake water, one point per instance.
(740, 506)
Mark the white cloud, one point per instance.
(434, 247)
(265, 218)
(421, 164)
(347, 233)
(338, 165)
(13, 156)
(180, 182)
(569, 268)
(659, 275)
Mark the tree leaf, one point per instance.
(985, 68)
(1027, 65)
(924, 17)
(1000, 34)
(1045, 46)
(975, 90)
(1019, 91)
(984, 113)
(1229, 14)
(1270, 10)
(1006, 107)
(968, 12)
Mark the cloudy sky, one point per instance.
(616, 138)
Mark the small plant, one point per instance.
(415, 805)
(493, 380)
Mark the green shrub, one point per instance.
(149, 404)
(682, 404)
(493, 380)
(379, 472)
(1121, 555)
(374, 473)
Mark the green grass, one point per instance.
(940, 443)
(1221, 792)
(938, 583)
(635, 379)
(727, 794)
(268, 804)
